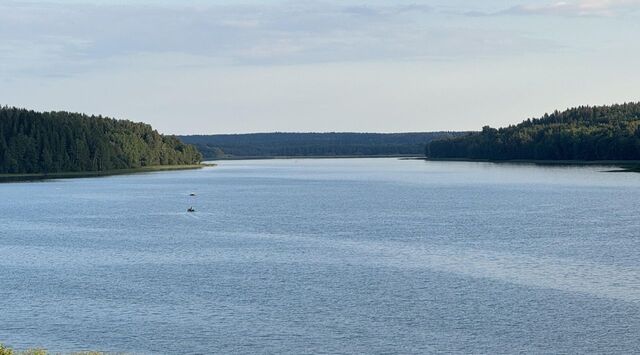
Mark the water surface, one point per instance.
(325, 256)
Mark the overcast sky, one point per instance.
(224, 66)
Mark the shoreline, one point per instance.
(7, 178)
(272, 157)
(622, 165)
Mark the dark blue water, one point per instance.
(325, 256)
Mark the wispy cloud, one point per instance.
(66, 38)
(578, 8)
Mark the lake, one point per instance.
(325, 256)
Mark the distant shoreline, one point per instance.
(623, 165)
(271, 157)
(4, 178)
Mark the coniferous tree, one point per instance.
(34, 142)
(581, 133)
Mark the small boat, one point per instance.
(191, 209)
(192, 194)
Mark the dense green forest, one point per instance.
(581, 133)
(51, 142)
(312, 144)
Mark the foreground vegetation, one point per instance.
(4, 350)
(605, 133)
(55, 142)
(267, 145)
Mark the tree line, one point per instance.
(50, 142)
(581, 133)
(312, 144)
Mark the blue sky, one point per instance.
(254, 66)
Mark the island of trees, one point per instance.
(261, 145)
(54, 142)
(581, 133)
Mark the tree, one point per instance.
(34, 142)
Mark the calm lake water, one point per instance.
(325, 256)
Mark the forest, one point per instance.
(51, 142)
(581, 133)
(312, 144)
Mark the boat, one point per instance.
(192, 194)
(191, 209)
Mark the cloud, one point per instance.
(42, 38)
(606, 8)
(386, 10)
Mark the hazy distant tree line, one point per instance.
(312, 144)
(582, 133)
(34, 142)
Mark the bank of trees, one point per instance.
(581, 133)
(35, 142)
(313, 144)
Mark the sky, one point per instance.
(221, 66)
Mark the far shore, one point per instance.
(621, 165)
(85, 174)
(312, 157)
